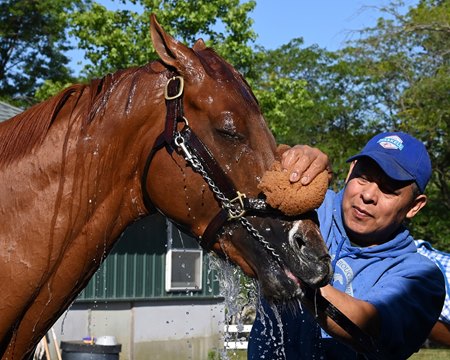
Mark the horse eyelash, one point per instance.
(230, 135)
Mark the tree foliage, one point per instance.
(311, 96)
(395, 76)
(119, 38)
(406, 75)
(33, 44)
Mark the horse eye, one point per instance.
(230, 135)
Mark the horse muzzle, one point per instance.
(301, 258)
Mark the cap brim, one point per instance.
(387, 163)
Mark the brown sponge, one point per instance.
(292, 198)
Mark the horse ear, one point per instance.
(173, 52)
(199, 45)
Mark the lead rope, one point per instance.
(234, 211)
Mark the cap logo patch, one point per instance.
(391, 142)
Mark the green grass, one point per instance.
(432, 354)
(237, 355)
(231, 354)
(423, 354)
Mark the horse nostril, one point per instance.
(299, 239)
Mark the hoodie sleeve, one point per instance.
(408, 303)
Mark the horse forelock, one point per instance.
(216, 67)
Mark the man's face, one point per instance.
(374, 205)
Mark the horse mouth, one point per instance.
(294, 278)
(321, 278)
(283, 284)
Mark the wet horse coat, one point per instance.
(71, 171)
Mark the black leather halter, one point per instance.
(173, 139)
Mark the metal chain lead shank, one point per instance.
(234, 211)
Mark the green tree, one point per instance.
(311, 96)
(115, 39)
(33, 43)
(404, 73)
(425, 107)
(395, 76)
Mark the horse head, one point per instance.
(213, 149)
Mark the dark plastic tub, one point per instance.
(78, 350)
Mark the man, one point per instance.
(380, 282)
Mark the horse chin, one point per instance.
(279, 284)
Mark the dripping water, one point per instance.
(240, 294)
(280, 351)
(66, 313)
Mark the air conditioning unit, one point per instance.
(184, 269)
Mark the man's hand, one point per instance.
(305, 163)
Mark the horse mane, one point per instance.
(215, 65)
(28, 129)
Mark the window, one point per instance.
(184, 269)
(184, 261)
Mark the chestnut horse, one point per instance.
(76, 170)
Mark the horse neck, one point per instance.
(115, 148)
(87, 175)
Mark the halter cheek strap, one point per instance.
(200, 158)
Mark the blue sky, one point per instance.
(328, 23)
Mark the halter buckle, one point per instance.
(240, 197)
(180, 89)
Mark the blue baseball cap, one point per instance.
(401, 156)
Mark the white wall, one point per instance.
(148, 330)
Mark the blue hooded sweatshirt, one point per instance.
(406, 288)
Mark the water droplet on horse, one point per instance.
(129, 104)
